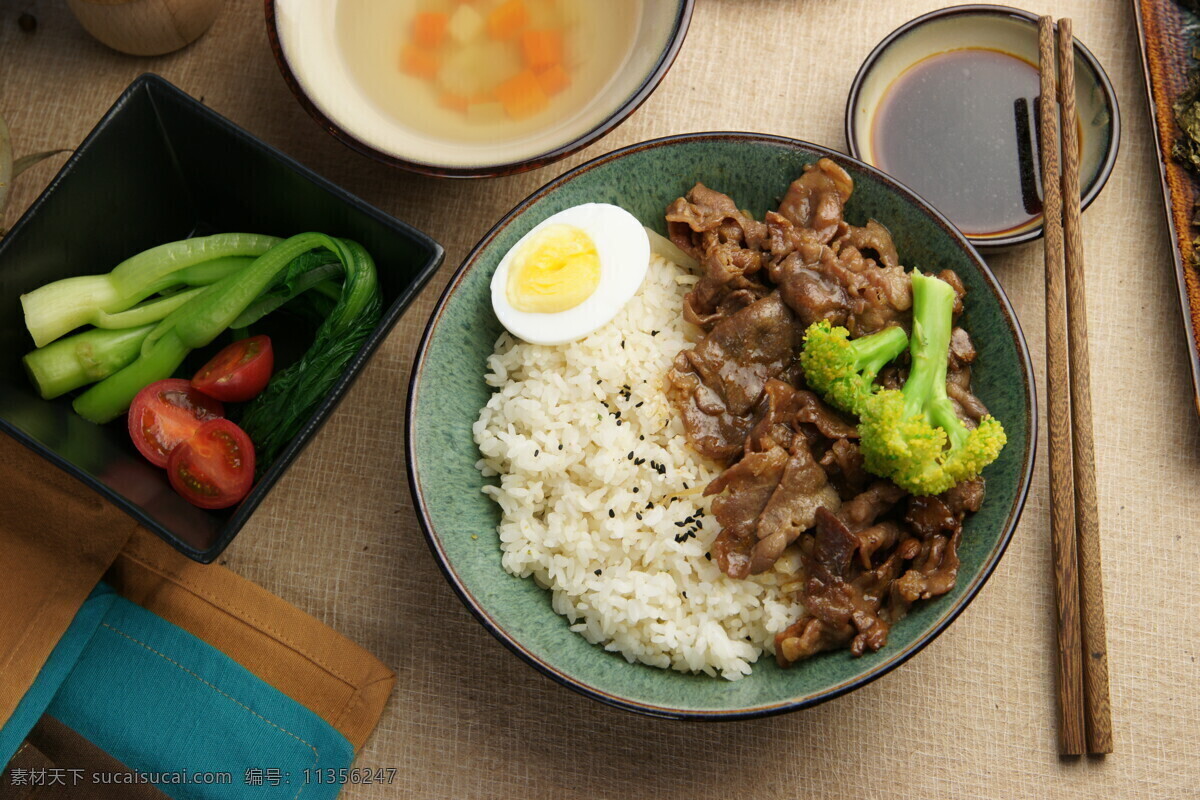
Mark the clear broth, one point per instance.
(959, 128)
(372, 35)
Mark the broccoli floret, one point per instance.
(842, 369)
(913, 435)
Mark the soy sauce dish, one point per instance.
(947, 104)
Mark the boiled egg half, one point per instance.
(571, 274)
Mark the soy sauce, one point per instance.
(959, 128)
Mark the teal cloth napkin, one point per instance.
(200, 725)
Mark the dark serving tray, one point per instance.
(161, 166)
(1166, 44)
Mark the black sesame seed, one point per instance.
(685, 484)
(629, 455)
(598, 382)
(618, 423)
(708, 556)
(560, 447)
(617, 414)
(636, 490)
(598, 571)
(680, 524)
(685, 595)
(622, 344)
(537, 453)
(654, 333)
(639, 404)
(638, 515)
(611, 513)
(650, 504)
(642, 438)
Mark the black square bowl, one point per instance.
(159, 167)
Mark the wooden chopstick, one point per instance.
(1071, 732)
(1097, 714)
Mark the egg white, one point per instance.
(624, 252)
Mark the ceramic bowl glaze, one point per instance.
(303, 38)
(1008, 30)
(448, 390)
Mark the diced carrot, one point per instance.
(429, 29)
(481, 97)
(507, 19)
(554, 80)
(454, 102)
(419, 62)
(522, 95)
(542, 49)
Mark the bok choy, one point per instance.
(216, 307)
(155, 308)
(60, 307)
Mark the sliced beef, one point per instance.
(962, 349)
(877, 538)
(706, 217)
(802, 490)
(716, 385)
(813, 410)
(934, 566)
(960, 290)
(794, 475)
(929, 517)
(744, 489)
(873, 240)
(809, 292)
(934, 572)
(728, 285)
(841, 286)
(969, 407)
(815, 200)
(785, 410)
(861, 512)
(843, 463)
(965, 498)
(841, 607)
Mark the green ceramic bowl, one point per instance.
(448, 390)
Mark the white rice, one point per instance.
(570, 496)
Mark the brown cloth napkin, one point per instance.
(67, 765)
(58, 538)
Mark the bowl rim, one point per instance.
(623, 111)
(468, 599)
(993, 243)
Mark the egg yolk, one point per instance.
(557, 269)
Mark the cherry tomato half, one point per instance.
(238, 372)
(166, 413)
(214, 468)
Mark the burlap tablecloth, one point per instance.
(971, 716)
